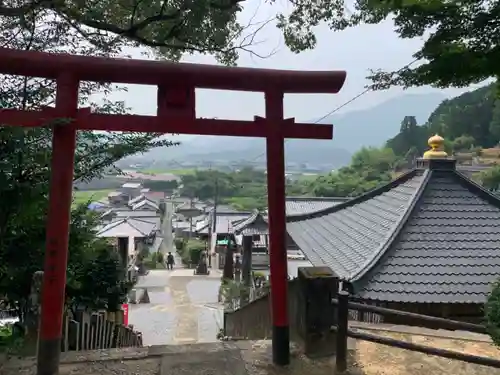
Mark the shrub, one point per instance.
(179, 244)
(492, 313)
(193, 251)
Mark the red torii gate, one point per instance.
(175, 114)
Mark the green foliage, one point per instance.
(191, 251)
(463, 143)
(411, 141)
(154, 261)
(95, 277)
(24, 182)
(490, 178)
(194, 248)
(468, 122)
(460, 37)
(160, 185)
(167, 28)
(245, 189)
(470, 114)
(179, 244)
(492, 313)
(230, 293)
(369, 168)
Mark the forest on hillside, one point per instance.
(469, 123)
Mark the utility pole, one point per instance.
(191, 205)
(212, 227)
(216, 198)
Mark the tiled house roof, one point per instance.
(432, 235)
(129, 227)
(254, 224)
(301, 205)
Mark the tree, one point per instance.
(25, 168)
(460, 37)
(492, 313)
(168, 28)
(410, 137)
(369, 168)
(463, 143)
(24, 183)
(245, 189)
(490, 178)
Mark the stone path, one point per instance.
(184, 308)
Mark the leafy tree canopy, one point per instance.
(369, 168)
(469, 121)
(25, 156)
(460, 37)
(492, 313)
(244, 189)
(170, 28)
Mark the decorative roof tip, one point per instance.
(436, 142)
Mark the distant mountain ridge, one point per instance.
(352, 130)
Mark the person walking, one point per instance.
(170, 261)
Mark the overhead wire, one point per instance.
(365, 91)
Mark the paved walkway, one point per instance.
(183, 308)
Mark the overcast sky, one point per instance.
(354, 50)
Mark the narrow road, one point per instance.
(183, 308)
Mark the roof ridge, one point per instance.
(328, 199)
(478, 189)
(137, 229)
(112, 225)
(373, 260)
(249, 220)
(355, 200)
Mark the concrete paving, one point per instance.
(183, 308)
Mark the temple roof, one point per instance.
(302, 205)
(431, 235)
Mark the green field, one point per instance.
(82, 196)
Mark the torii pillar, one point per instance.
(176, 114)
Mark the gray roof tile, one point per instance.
(254, 224)
(304, 205)
(347, 236)
(429, 236)
(447, 252)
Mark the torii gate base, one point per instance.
(176, 114)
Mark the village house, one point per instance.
(139, 224)
(428, 242)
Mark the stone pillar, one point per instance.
(123, 251)
(315, 310)
(246, 265)
(32, 318)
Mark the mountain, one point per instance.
(352, 130)
(374, 126)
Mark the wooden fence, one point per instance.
(101, 330)
(343, 332)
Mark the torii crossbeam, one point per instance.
(175, 114)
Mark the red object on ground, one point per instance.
(125, 313)
(175, 114)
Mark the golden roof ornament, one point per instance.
(436, 142)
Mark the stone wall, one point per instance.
(253, 321)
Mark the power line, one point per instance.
(324, 116)
(368, 89)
